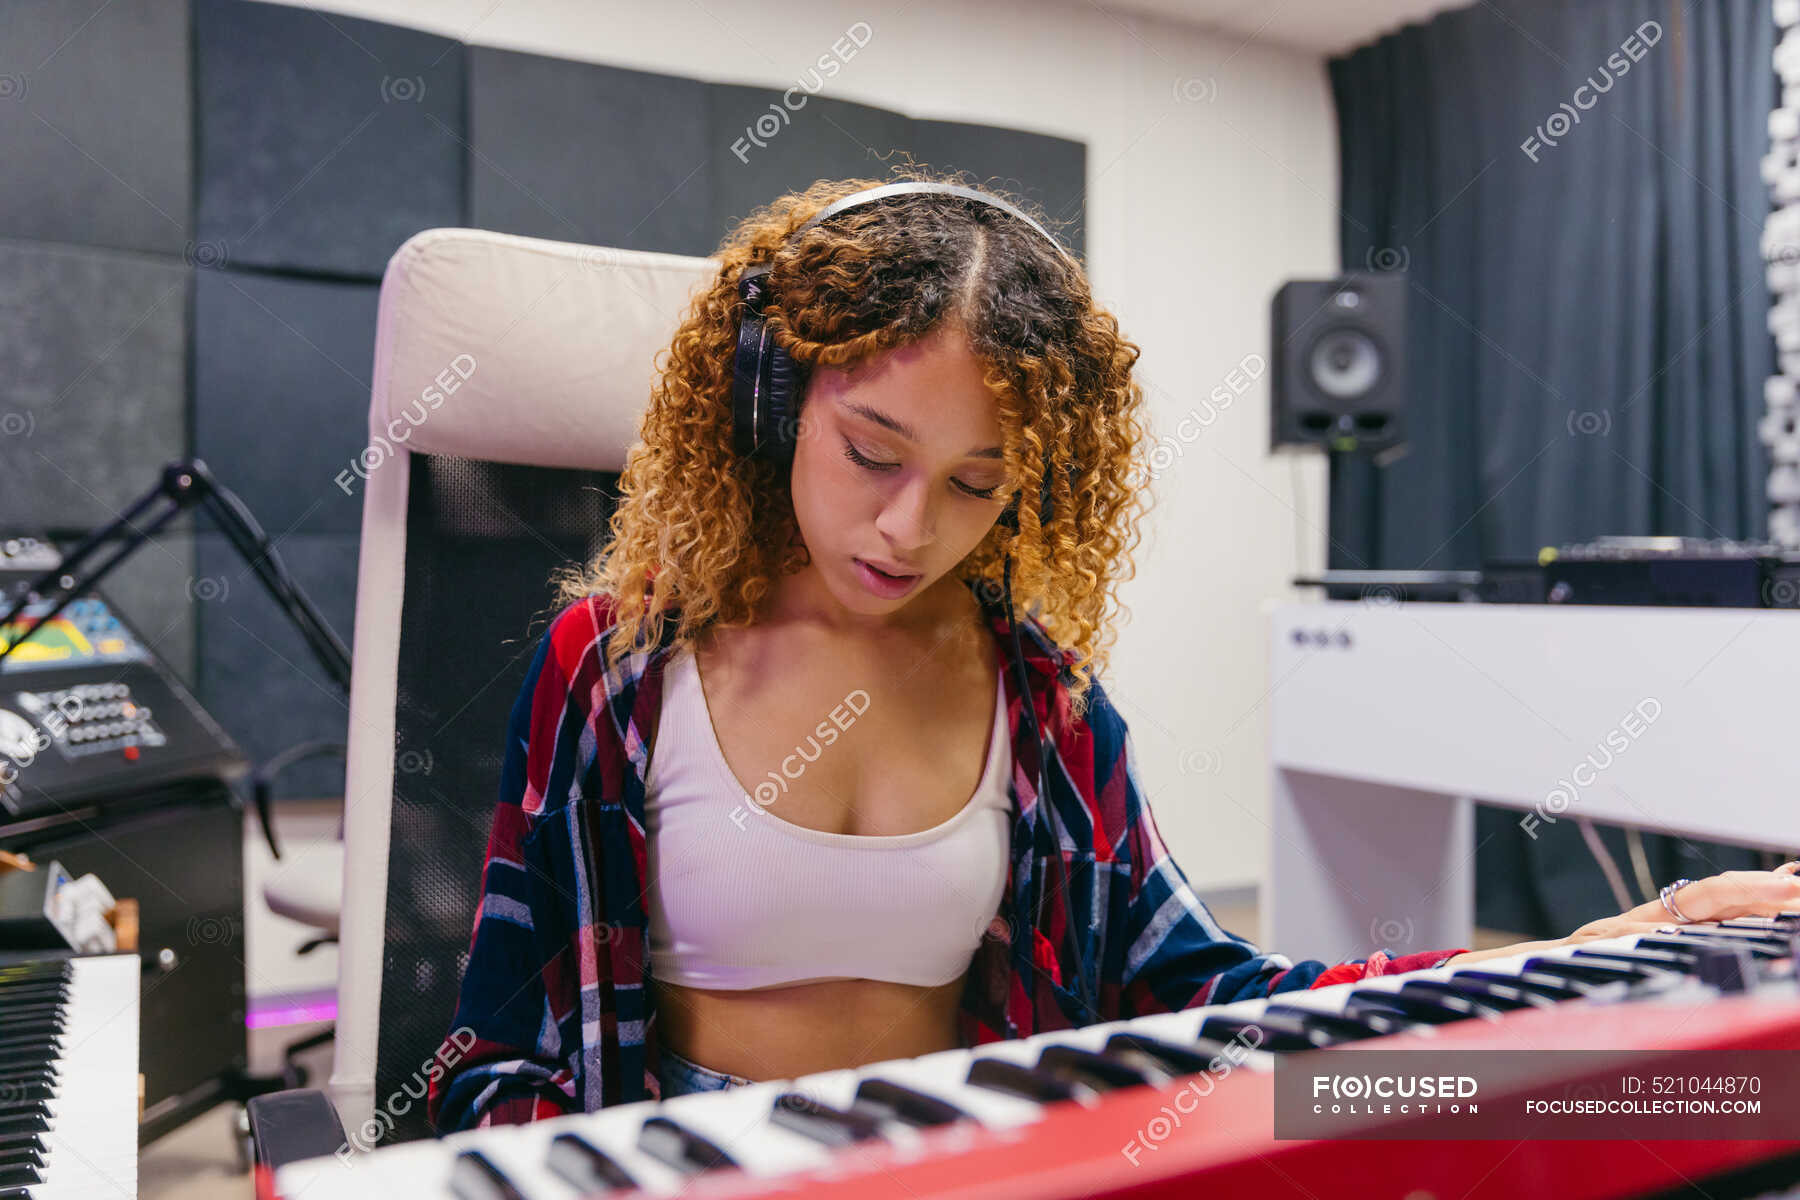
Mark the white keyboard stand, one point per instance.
(1380, 746)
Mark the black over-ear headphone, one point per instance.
(766, 383)
(766, 386)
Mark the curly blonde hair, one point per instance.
(707, 532)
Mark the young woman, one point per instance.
(774, 799)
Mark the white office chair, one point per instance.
(510, 377)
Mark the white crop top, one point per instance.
(741, 898)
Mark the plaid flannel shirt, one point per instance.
(556, 991)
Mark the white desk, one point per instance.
(1387, 722)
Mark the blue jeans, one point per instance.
(679, 1076)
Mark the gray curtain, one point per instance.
(1586, 344)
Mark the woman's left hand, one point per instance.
(1730, 894)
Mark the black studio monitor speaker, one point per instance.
(1338, 371)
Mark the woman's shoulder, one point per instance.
(577, 627)
(576, 642)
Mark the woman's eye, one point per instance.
(868, 464)
(850, 452)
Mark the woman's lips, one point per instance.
(883, 584)
(887, 570)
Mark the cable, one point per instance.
(1300, 554)
(1640, 864)
(1614, 879)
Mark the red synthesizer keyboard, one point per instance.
(1098, 1111)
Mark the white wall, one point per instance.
(1212, 177)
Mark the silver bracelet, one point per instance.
(1668, 900)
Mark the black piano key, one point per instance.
(24, 1050)
(1274, 1035)
(897, 1102)
(1211, 1047)
(20, 972)
(11, 1106)
(26, 1012)
(585, 1166)
(54, 1050)
(1278, 1034)
(1544, 995)
(1673, 947)
(21, 1154)
(1367, 1024)
(12, 983)
(679, 1147)
(473, 1176)
(1775, 939)
(1779, 941)
(37, 1122)
(12, 1064)
(1674, 941)
(1591, 972)
(1474, 995)
(36, 1029)
(1098, 1071)
(37, 1108)
(20, 1097)
(29, 1066)
(1777, 924)
(19, 1175)
(50, 993)
(33, 981)
(1728, 968)
(1017, 1079)
(1174, 1059)
(1438, 1010)
(822, 1122)
(1681, 962)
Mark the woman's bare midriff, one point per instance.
(798, 1029)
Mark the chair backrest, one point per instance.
(510, 377)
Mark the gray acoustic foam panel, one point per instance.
(256, 675)
(93, 380)
(324, 141)
(95, 142)
(577, 152)
(281, 394)
(823, 138)
(154, 592)
(1051, 172)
